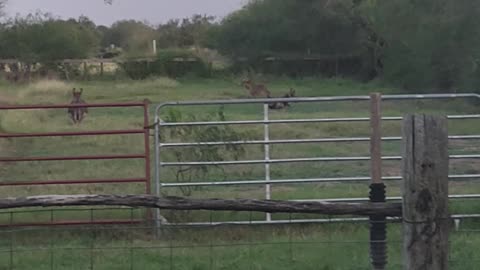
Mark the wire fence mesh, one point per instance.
(343, 245)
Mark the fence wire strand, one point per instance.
(179, 247)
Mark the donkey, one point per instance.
(77, 114)
(255, 90)
(282, 105)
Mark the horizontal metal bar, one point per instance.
(463, 176)
(270, 222)
(253, 122)
(466, 116)
(307, 180)
(272, 161)
(298, 121)
(430, 96)
(282, 181)
(322, 140)
(464, 137)
(464, 156)
(293, 141)
(452, 197)
(64, 106)
(72, 182)
(70, 134)
(299, 221)
(312, 99)
(75, 222)
(294, 160)
(68, 158)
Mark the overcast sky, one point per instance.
(154, 11)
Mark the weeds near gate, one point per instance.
(207, 153)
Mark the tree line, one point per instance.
(416, 44)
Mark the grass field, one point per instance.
(310, 247)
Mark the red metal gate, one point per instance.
(145, 155)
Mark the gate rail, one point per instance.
(159, 183)
(145, 155)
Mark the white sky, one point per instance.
(153, 11)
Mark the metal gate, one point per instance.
(161, 183)
(142, 179)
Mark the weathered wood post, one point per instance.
(85, 70)
(102, 68)
(378, 225)
(425, 192)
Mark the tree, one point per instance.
(431, 44)
(285, 26)
(42, 38)
(2, 6)
(133, 36)
(185, 33)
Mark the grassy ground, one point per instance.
(309, 243)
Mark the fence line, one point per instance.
(161, 125)
(177, 203)
(423, 211)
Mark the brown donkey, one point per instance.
(77, 114)
(256, 90)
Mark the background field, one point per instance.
(291, 247)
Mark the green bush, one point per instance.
(171, 63)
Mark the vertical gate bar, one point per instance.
(92, 242)
(147, 154)
(51, 232)
(268, 194)
(131, 240)
(376, 138)
(157, 172)
(12, 239)
(378, 233)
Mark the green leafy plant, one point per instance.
(212, 133)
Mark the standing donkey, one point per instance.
(77, 114)
(255, 90)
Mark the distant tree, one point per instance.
(132, 36)
(285, 26)
(430, 44)
(42, 38)
(3, 4)
(187, 32)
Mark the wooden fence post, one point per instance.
(425, 192)
(378, 223)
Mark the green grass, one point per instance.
(265, 247)
(302, 247)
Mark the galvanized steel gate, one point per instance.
(162, 183)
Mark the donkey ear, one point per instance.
(73, 90)
(81, 90)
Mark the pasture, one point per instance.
(328, 246)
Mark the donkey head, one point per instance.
(247, 82)
(292, 93)
(77, 94)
